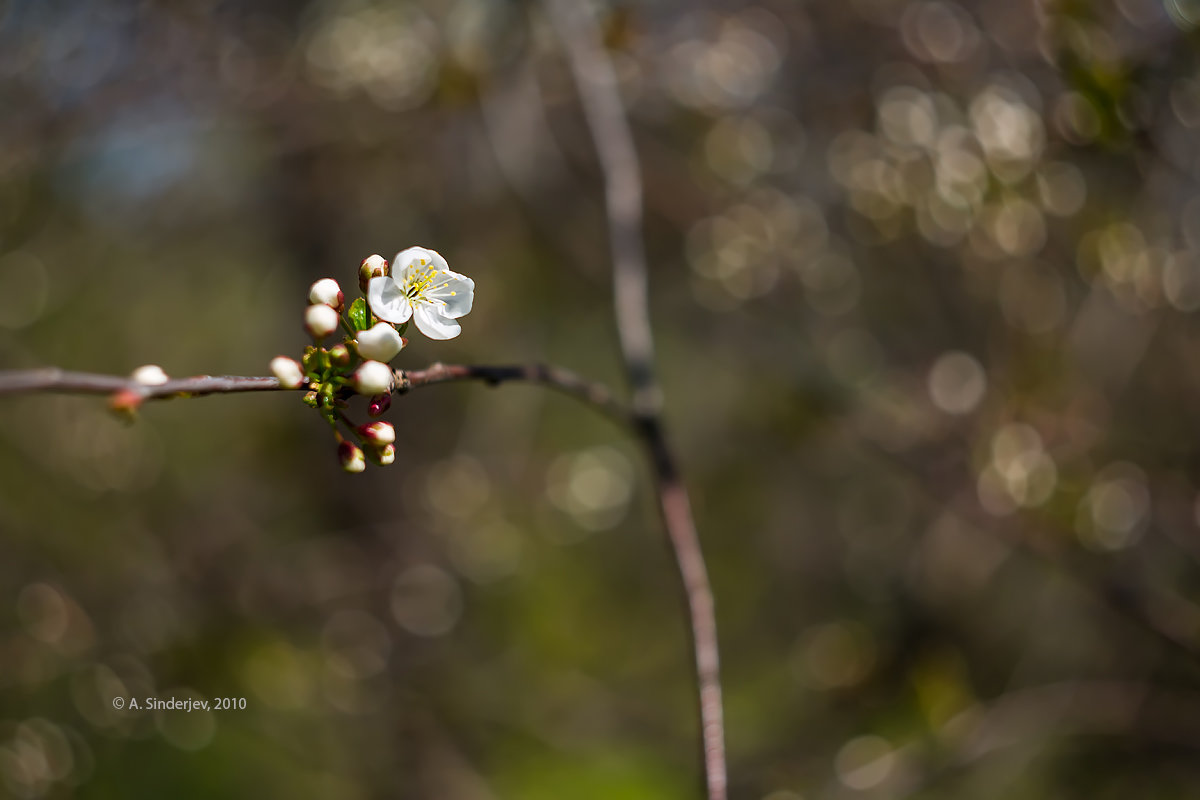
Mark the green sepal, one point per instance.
(359, 316)
(311, 360)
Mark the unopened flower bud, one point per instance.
(328, 292)
(339, 354)
(380, 343)
(125, 403)
(373, 377)
(379, 433)
(320, 320)
(150, 375)
(312, 399)
(289, 372)
(380, 403)
(351, 456)
(372, 267)
(385, 455)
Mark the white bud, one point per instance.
(326, 291)
(373, 377)
(320, 320)
(150, 375)
(380, 343)
(386, 454)
(289, 372)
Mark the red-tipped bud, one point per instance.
(378, 433)
(372, 267)
(380, 403)
(328, 292)
(351, 456)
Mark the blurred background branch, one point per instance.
(611, 135)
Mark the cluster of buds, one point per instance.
(358, 364)
(377, 441)
(418, 286)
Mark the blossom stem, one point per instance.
(345, 420)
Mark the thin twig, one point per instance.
(54, 380)
(562, 380)
(613, 139)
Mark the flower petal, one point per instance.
(431, 322)
(455, 294)
(387, 300)
(409, 260)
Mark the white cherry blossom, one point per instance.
(422, 287)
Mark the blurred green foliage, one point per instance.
(924, 279)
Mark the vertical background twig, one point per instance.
(613, 139)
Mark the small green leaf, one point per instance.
(358, 315)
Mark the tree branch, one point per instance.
(562, 380)
(54, 380)
(613, 139)
(60, 381)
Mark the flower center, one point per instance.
(422, 282)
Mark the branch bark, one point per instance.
(59, 381)
(611, 134)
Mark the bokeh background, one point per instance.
(924, 280)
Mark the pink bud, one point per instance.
(125, 402)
